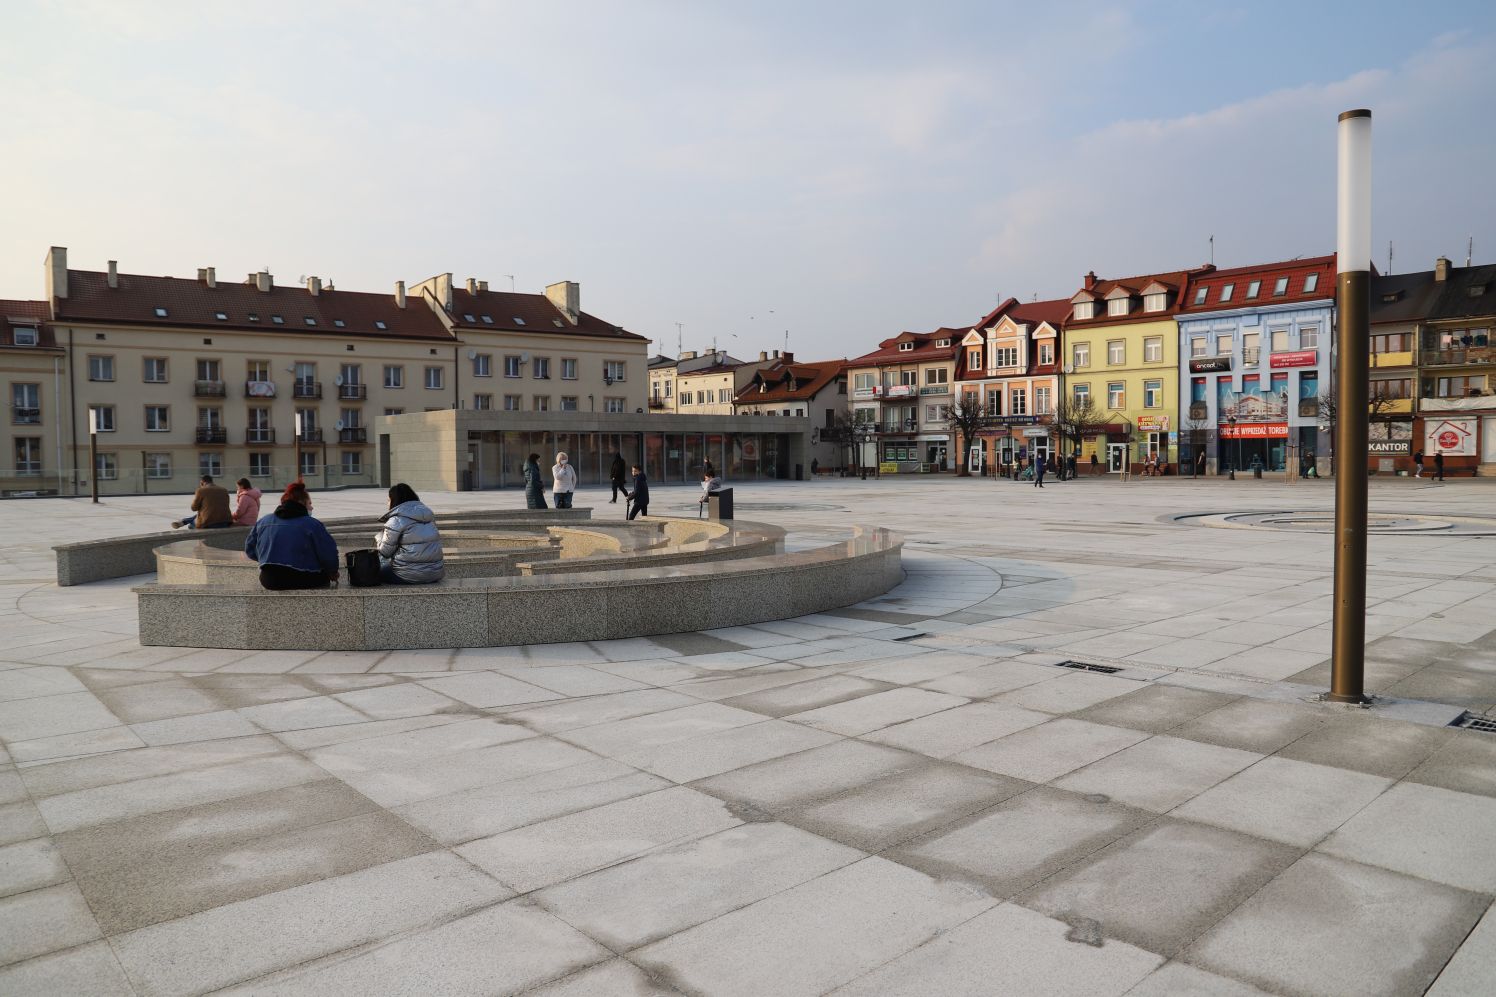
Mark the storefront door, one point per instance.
(1488, 440)
(1116, 456)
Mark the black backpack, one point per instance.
(363, 568)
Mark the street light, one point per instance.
(1232, 461)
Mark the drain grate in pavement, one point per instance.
(910, 637)
(1087, 667)
(1470, 721)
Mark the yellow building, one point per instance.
(1121, 351)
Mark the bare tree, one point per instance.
(1327, 406)
(1075, 420)
(1196, 432)
(965, 419)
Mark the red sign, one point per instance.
(1301, 358)
(1255, 431)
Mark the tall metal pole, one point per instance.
(1353, 305)
(93, 452)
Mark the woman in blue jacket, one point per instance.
(295, 551)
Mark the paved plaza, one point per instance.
(914, 795)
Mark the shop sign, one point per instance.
(1454, 437)
(1207, 365)
(1036, 432)
(1016, 420)
(935, 389)
(1298, 358)
(900, 390)
(1403, 447)
(1255, 431)
(1153, 423)
(865, 393)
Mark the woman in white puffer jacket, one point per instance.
(563, 481)
(410, 549)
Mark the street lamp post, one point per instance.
(300, 429)
(93, 452)
(1232, 460)
(1353, 306)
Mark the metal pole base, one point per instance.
(1335, 697)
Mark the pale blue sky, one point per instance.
(857, 168)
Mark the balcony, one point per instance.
(213, 435)
(1459, 355)
(353, 392)
(355, 435)
(259, 389)
(310, 436)
(259, 435)
(657, 404)
(1400, 359)
(208, 389)
(23, 416)
(306, 389)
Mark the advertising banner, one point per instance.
(1254, 403)
(1452, 437)
(1299, 358)
(1209, 365)
(1255, 431)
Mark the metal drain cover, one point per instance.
(1087, 667)
(1471, 721)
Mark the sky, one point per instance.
(818, 174)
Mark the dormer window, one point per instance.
(1156, 301)
(942, 343)
(1200, 295)
(1311, 282)
(1118, 306)
(25, 336)
(974, 358)
(1226, 291)
(906, 347)
(1085, 309)
(339, 323)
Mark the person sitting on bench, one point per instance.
(709, 483)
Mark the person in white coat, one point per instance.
(563, 481)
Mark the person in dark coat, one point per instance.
(618, 476)
(1438, 465)
(534, 484)
(1070, 467)
(1418, 464)
(1039, 470)
(294, 550)
(638, 499)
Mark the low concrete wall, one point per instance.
(601, 605)
(120, 557)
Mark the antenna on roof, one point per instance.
(1212, 250)
(1469, 250)
(680, 339)
(1389, 256)
(511, 282)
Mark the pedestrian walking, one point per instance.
(1095, 465)
(1070, 467)
(563, 481)
(1438, 465)
(1418, 464)
(1039, 471)
(534, 484)
(618, 477)
(638, 499)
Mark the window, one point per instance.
(209, 370)
(724, 395)
(277, 320)
(351, 373)
(158, 465)
(942, 343)
(339, 323)
(1006, 356)
(434, 378)
(1085, 309)
(394, 376)
(1116, 352)
(210, 463)
(394, 411)
(1118, 306)
(309, 320)
(1311, 282)
(257, 370)
(155, 370)
(906, 347)
(380, 325)
(1042, 401)
(1018, 398)
(542, 369)
(1397, 387)
(908, 377)
(103, 418)
(1153, 394)
(860, 382)
(106, 466)
(253, 316)
(100, 368)
(353, 462)
(1253, 287)
(1081, 393)
(687, 398)
(1309, 337)
(26, 336)
(511, 366)
(569, 370)
(1280, 340)
(512, 403)
(1080, 354)
(1153, 349)
(26, 404)
(161, 313)
(615, 369)
(487, 319)
(568, 403)
(1249, 351)
(28, 455)
(1226, 291)
(308, 463)
(306, 418)
(935, 415)
(1197, 346)
(1392, 342)
(1460, 387)
(1157, 301)
(350, 418)
(1116, 395)
(541, 403)
(517, 320)
(483, 365)
(1223, 345)
(483, 402)
(973, 359)
(613, 405)
(468, 318)
(1200, 294)
(158, 418)
(1046, 353)
(1280, 287)
(937, 375)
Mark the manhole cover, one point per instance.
(1087, 667)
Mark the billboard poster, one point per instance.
(1253, 403)
(1452, 437)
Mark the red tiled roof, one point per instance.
(193, 304)
(516, 312)
(809, 379)
(924, 349)
(26, 315)
(1175, 280)
(1034, 312)
(1297, 272)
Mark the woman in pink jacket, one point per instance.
(247, 509)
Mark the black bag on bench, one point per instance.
(363, 568)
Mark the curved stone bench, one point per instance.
(489, 612)
(732, 542)
(120, 557)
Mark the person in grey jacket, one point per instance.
(410, 549)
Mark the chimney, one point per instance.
(114, 273)
(763, 355)
(1441, 269)
(688, 355)
(776, 354)
(202, 274)
(314, 286)
(482, 286)
(567, 297)
(264, 282)
(399, 294)
(1090, 280)
(789, 357)
(212, 276)
(444, 291)
(57, 272)
(472, 285)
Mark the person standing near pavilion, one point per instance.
(534, 483)
(563, 481)
(618, 476)
(638, 498)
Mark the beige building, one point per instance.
(34, 369)
(904, 390)
(182, 377)
(788, 388)
(701, 383)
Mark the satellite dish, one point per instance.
(338, 380)
(472, 354)
(338, 425)
(524, 358)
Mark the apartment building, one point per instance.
(904, 390)
(1456, 407)
(788, 388)
(34, 369)
(1009, 364)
